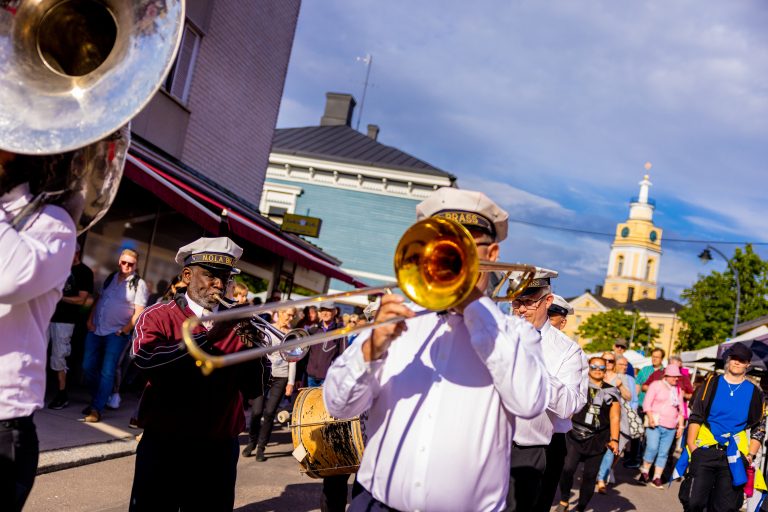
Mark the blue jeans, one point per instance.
(313, 382)
(605, 466)
(657, 443)
(100, 359)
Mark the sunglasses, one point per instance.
(609, 360)
(128, 263)
(528, 303)
(600, 367)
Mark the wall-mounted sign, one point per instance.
(301, 225)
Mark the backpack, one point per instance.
(133, 282)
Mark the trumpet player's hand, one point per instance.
(392, 306)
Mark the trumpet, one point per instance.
(436, 267)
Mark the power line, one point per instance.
(612, 235)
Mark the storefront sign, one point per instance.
(301, 225)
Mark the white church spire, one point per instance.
(641, 208)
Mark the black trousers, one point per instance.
(265, 406)
(365, 502)
(555, 457)
(575, 454)
(189, 474)
(19, 453)
(334, 493)
(711, 484)
(525, 474)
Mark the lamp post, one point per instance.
(705, 256)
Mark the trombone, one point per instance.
(436, 267)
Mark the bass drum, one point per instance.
(323, 445)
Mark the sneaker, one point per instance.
(248, 450)
(656, 482)
(93, 416)
(601, 488)
(60, 401)
(113, 402)
(260, 454)
(631, 464)
(644, 478)
(133, 423)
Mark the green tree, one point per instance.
(604, 328)
(710, 304)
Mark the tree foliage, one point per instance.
(604, 328)
(710, 304)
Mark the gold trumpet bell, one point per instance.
(436, 263)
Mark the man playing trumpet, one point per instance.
(442, 391)
(191, 422)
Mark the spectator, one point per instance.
(627, 384)
(663, 406)
(240, 294)
(322, 355)
(78, 287)
(721, 412)
(684, 382)
(310, 318)
(595, 426)
(558, 312)
(177, 286)
(123, 297)
(280, 384)
(657, 360)
(619, 347)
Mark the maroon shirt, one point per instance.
(684, 382)
(178, 398)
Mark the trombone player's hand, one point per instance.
(392, 305)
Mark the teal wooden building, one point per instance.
(365, 192)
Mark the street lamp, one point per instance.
(706, 256)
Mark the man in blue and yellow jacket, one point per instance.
(723, 409)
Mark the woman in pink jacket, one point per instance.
(663, 406)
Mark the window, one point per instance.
(661, 328)
(648, 269)
(179, 79)
(620, 265)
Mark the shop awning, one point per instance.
(199, 202)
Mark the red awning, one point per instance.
(194, 203)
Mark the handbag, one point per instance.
(634, 422)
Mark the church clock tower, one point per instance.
(633, 268)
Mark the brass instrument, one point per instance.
(436, 266)
(72, 75)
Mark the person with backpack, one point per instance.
(123, 297)
(719, 450)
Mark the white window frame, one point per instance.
(176, 79)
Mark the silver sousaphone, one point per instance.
(72, 75)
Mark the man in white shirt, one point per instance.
(35, 264)
(443, 391)
(534, 448)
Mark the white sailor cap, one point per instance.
(218, 253)
(540, 280)
(560, 306)
(468, 208)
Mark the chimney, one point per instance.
(373, 131)
(661, 295)
(338, 109)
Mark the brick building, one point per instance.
(200, 150)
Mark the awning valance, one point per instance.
(194, 199)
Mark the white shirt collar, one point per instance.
(196, 308)
(16, 198)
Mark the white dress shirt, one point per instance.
(34, 265)
(567, 367)
(442, 406)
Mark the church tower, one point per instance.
(633, 268)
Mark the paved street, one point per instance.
(274, 485)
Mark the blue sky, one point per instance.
(553, 107)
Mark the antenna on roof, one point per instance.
(368, 61)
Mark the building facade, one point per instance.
(365, 192)
(199, 154)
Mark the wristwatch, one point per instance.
(614, 440)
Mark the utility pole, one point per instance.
(368, 61)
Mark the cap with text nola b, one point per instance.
(218, 253)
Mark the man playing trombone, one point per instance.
(442, 391)
(191, 422)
